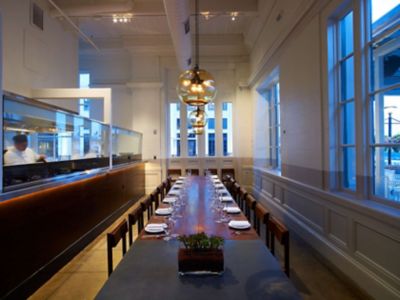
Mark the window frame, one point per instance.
(363, 95)
(272, 96)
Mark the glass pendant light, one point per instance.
(196, 86)
(198, 120)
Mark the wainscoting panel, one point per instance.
(378, 250)
(338, 228)
(361, 239)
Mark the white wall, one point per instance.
(35, 58)
(358, 237)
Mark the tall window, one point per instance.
(175, 129)
(84, 104)
(346, 101)
(210, 130)
(384, 45)
(191, 136)
(273, 99)
(227, 129)
(376, 108)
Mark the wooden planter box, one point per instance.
(201, 262)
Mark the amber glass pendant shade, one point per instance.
(198, 120)
(196, 87)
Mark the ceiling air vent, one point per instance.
(187, 26)
(37, 16)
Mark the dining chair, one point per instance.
(249, 207)
(211, 171)
(261, 216)
(113, 239)
(174, 174)
(281, 233)
(193, 172)
(135, 217)
(147, 206)
(241, 198)
(168, 184)
(235, 192)
(160, 194)
(230, 172)
(156, 197)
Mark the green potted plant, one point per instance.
(201, 254)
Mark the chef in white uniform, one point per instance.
(20, 153)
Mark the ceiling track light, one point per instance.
(234, 15)
(122, 18)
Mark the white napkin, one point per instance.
(232, 210)
(181, 177)
(214, 176)
(226, 199)
(239, 224)
(169, 199)
(163, 211)
(179, 182)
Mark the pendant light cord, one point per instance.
(197, 33)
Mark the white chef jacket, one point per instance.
(16, 157)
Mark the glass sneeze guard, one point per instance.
(57, 143)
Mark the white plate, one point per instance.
(232, 210)
(239, 224)
(163, 211)
(150, 229)
(169, 200)
(226, 199)
(173, 193)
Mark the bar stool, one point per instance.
(249, 206)
(112, 241)
(281, 233)
(136, 216)
(261, 215)
(146, 205)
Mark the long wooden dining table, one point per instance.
(149, 270)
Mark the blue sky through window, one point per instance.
(382, 7)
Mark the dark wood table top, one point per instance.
(149, 271)
(198, 216)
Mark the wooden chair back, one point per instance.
(113, 239)
(261, 216)
(174, 174)
(158, 195)
(225, 172)
(193, 172)
(135, 217)
(235, 192)
(147, 206)
(241, 197)
(249, 207)
(211, 171)
(281, 233)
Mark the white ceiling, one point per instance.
(150, 17)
